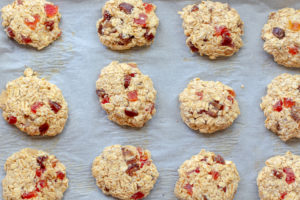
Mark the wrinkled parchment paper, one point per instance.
(74, 62)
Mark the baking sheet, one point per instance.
(74, 62)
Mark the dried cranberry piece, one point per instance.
(132, 169)
(293, 50)
(221, 30)
(36, 106)
(125, 40)
(278, 106)
(141, 20)
(288, 102)
(39, 172)
(49, 25)
(12, 119)
(138, 195)
(29, 195)
(227, 41)
(295, 113)
(278, 174)
(60, 175)
(213, 114)
(10, 32)
(51, 10)
(105, 100)
(132, 95)
(197, 170)
(189, 189)
(230, 99)
(106, 15)
(55, 107)
(44, 128)
(32, 25)
(147, 36)
(131, 113)
(290, 176)
(214, 174)
(219, 159)
(127, 80)
(40, 160)
(101, 93)
(26, 40)
(192, 47)
(278, 32)
(40, 185)
(200, 94)
(126, 7)
(217, 105)
(282, 195)
(195, 8)
(148, 7)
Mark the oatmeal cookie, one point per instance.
(32, 22)
(34, 105)
(282, 37)
(125, 172)
(208, 106)
(33, 174)
(207, 176)
(281, 106)
(212, 28)
(126, 94)
(127, 23)
(280, 178)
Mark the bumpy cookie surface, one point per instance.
(34, 105)
(281, 106)
(282, 36)
(127, 23)
(125, 172)
(207, 176)
(33, 174)
(126, 94)
(212, 28)
(280, 178)
(208, 106)
(32, 22)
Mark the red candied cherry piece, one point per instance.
(221, 30)
(138, 195)
(200, 94)
(278, 174)
(148, 7)
(44, 128)
(132, 95)
(55, 107)
(36, 106)
(126, 7)
(32, 25)
(293, 50)
(288, 102)
(29, 195)
(10, 32)
(131, 113)
(219, 159)
(51, 10)
(12, 119)
(60, 175)
(282, 195)
(105, 100)
(141, 20)
(26, 40)
(278, 106)
(290, 176)
(189, 189)
(49, 25)
(127, 79)
(214, 174)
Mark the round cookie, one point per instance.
(32, 22)
(282, 36)
(127, 23)
(281, 106)
(212, 28)
(207, 176)
(125, 172)
(208, 106)
(34, 105)
(280, 178)
(126, 94)
(33, 174)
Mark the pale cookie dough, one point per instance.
(34, 105)
(125, 172)
(207, 176)
(32, 22)
(35, 175)
(281, 106)
(282, 36)
(208, 106)
(127, 23)
(212, 28)
(280, 178)
(127, 95)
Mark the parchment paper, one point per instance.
(74, 62)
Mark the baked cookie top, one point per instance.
(212, 28)
(127, 23)
(207, 176)
(208, 106)
(32, 22)
(33, 174)
(282, 36)
(125, 172)
(127, 95)
(281, 106)
(280, 178)
(34, 105)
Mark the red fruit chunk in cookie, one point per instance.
(55, 107)
(138, 195)
(293, 50)
(221, 30)
(189, 189)
(51, 10)
(40, 185)
(29, 195)
(12, 119)
(60, 175)
(32, 25)
(10, 32)
(132, 96)
(278, 106)
(44, 128)
(192, 47)
(219, 159)
(195, 8)
(36, 106)
(148, 7)
(126, 7)
(278, 174)
(200, 94)
(49, 25)
(131, 113)
(231, 92)
(214, 174)
(288, 102)
(290, 176)
(141, 20)
(105, 100)
(282, 195)
(25, 39)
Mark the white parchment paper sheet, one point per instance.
(74, 62)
